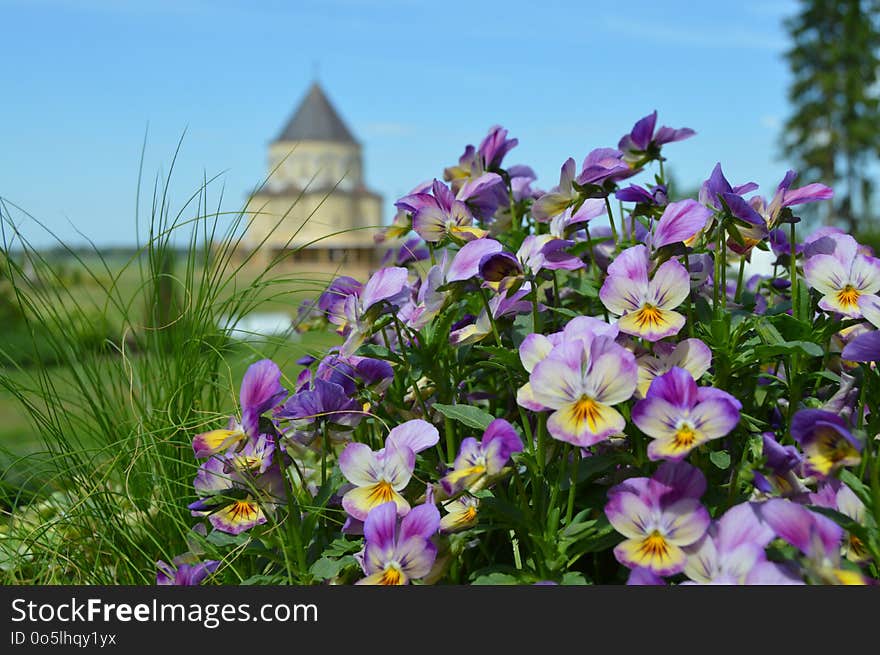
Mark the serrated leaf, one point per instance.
(339, 547)
(573, 578)
(264, 580)
(720, 458)
(496, 579)
(473, 417)
(326, 568)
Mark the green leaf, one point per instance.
(805, 347)
(473, 417)
(264, 580)
(326, 568)
(574, 578)
(496, 579)
(339, 547)
(720, 458)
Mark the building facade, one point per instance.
(315, 209)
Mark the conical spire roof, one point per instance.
(316, 120)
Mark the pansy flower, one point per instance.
(645, 305)
(582, 382)
(478, 461)
(379, 477)
(843, 277)
(816, 536)
(399, 552)
(537, 347)
(461, 513)
(387, 287)
(679, 416)
(643, 142)
(659, 516)
(440, 215)
(560, 197)
(826, 441)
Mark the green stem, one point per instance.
(575, 460)
(611, 222)
(294, 525)
(484, 296)
(416, 391)
(690, 299)
(739, 280)
(793, 273)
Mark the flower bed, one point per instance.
(527, 394)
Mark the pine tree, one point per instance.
(834, 132)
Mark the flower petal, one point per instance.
(422, 521)
(661, 558)
(652, 323)
(417, 435)
(585, 422)
(359, 464)
(533, 349)
(669, 286)
(715, 417)
(629, 514)
(361, 501)
(238, 516)
(826, 274)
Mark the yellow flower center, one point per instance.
(685, 437)
(654, 545)
(391, 576)
(649, 317)
(848, 297)
(242, 510)
(586, 409)
(380, 493)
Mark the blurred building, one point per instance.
(315, 208)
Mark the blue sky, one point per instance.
(415, 81)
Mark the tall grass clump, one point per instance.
(99, 502)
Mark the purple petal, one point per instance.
(670, 135)
(499, 442)
(802, 528)
(643, 131)
(359, 464)
(261, 391)
(808, 193)
(644, 577)
(417, 435)
(466, 263)
(422, 521)
(676, 387)
(680, 221)
(742, 525)
(679, 480)
(380, 526)
(864, 348)
(382, 285)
